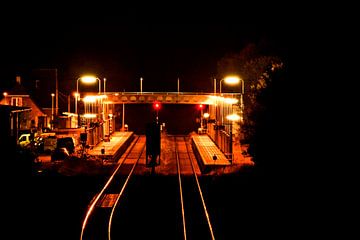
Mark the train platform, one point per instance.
(115, 147)
(208, 154)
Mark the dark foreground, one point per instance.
(245, 206)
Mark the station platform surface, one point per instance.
(205, 150)
(118, 143)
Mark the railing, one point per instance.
(221, 138)
(95, 134)
(164, 97)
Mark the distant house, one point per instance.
(10, 123)
(18, 97)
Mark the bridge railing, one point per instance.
(170, 93)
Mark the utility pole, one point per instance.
(178, 86)
(69, 103)
(56, 93)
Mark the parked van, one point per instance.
(66, 142)
(64, 147)
(24, 140)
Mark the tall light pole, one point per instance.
(123, 117)
(86, 80)
(52, 110)
(76, 95)
(220, 85)
(5, 95)
(232, 118)
(106, 122)
(242, 100)
(231, 80)
(201, 116)
(178, 86)
(89, 80)
(206, 116)
(141, 80)
(214, 86)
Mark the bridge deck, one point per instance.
(165, 97)
(205, 149)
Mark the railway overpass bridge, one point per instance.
(168, 97)
(101, 108)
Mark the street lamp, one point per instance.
(233, 118)
(206, 116)
(5, 95)
(52, 110)
(231, 80)
(76, 95)
(87, 80)
(141, 79)
(104, 86)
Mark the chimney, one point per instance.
(18, 80)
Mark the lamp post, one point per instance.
(141, 80)
(123, 117)
(232, 118)
(86, 80)
(76, 95)
(104, 86)
(231, 80)
(201, 116)
(206, 116)
(52, 110)
(5, 95)
(242, 100)
(220, 85)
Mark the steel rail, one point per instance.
(93, 204)
(200, 191)
(180, 189)
(122, 190)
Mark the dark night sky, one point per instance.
(124, 44)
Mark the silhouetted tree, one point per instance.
(265, 117)
(255, 70)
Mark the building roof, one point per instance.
(18, 89)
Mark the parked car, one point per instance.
(59, 154)
(39, 144)
(24, 140)
(49, 144)
(66, 142)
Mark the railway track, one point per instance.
(195, 217)
(157, 207)
(97, 223)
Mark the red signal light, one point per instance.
(201, 106)
(157, 106)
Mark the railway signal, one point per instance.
(157, 107)
(201, 107)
